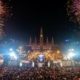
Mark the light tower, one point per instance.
(41, 39)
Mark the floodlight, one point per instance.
(13, 55)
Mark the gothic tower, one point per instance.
(41, 39)
(52, 43)
(30, 41)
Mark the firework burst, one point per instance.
(73, 9)
(3, 9)
(4, 13)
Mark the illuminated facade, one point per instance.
(44, 51)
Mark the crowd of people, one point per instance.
(42, 73)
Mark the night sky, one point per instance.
(28, 17)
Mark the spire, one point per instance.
(41, 38)
(35, 40)
(47, 41)
(30, 41)
(41, 33)
(52, 41)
